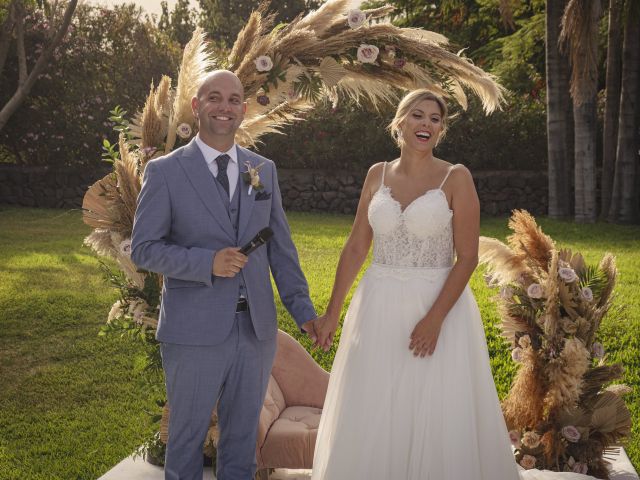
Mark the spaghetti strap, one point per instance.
(447, 175)
(384, 167)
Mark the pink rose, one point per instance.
(535, 290)
(571, 433)
(567, 274)
(356, 17)
(587, 294)
(263, 63)
(514, 436)
(516, 354)
(367, 53)
(263, 100)
(597, 349)
(184, 130)
(399, 62)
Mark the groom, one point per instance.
(217, 324)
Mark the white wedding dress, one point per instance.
(389, 415)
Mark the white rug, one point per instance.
(138, 469)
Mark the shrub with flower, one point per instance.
(560, 413)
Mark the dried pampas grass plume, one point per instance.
(524, 405)
(194, 66)
(565, 375)
(528, 240)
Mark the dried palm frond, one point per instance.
(596, 377)
(610, 419)
(619, 389)
(195, 64)
(101, 204)
(580, 33)
(528, 240)
(130, 270)
(552, 303)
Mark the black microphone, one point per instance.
(262, 237)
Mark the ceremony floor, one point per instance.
(138, 469)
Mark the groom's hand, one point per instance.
(325, 329)
(228, 262)
(309, 327)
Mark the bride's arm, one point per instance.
(466, 232)
(353, 255)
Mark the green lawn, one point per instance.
(72, 404)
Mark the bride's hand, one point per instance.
(325, 330)
(424, 337)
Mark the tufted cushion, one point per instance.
(292, 438)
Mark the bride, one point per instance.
(411, 395)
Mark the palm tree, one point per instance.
(559, 115)
(580, 33)
(612, 103)
(624, 204)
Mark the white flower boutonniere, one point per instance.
(252, 178)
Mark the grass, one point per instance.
(72, 404)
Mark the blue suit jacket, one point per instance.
(179, 225)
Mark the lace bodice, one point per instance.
(419, 236)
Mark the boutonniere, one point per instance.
(252, 178)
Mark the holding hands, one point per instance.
(321, 330)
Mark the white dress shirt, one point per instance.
(233, 169)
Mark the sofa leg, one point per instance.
(263, 474)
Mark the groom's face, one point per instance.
(219, 107)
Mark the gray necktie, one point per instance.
(223, 161)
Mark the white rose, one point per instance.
(125, 248)
(514, 436)
(571, 433)
(535, 290)
(528, 462)
(367, 53)
(567, 274)
(255, 181)
(184, 130)
(587, 294)
(356, 18)
(263, 63)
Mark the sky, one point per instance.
(153, 6)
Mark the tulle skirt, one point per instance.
(391, 416)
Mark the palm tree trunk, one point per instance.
(559, 117)
(612, 103)
(584, 116)
(624, 205)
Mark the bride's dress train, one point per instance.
(389, 415)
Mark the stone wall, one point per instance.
(302, 190)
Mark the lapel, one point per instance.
(246, 201)
(195, 166)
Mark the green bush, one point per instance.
(353, 138)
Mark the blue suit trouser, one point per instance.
(235, 374)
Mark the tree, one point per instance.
(180, 23)
(624, 204)
(14, 22)
(612, 103)
(580, 33)
(559, 118)
(223, 19)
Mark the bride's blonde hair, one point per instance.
(408, 103)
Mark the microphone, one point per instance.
(262, 237)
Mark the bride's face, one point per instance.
(422, 127)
